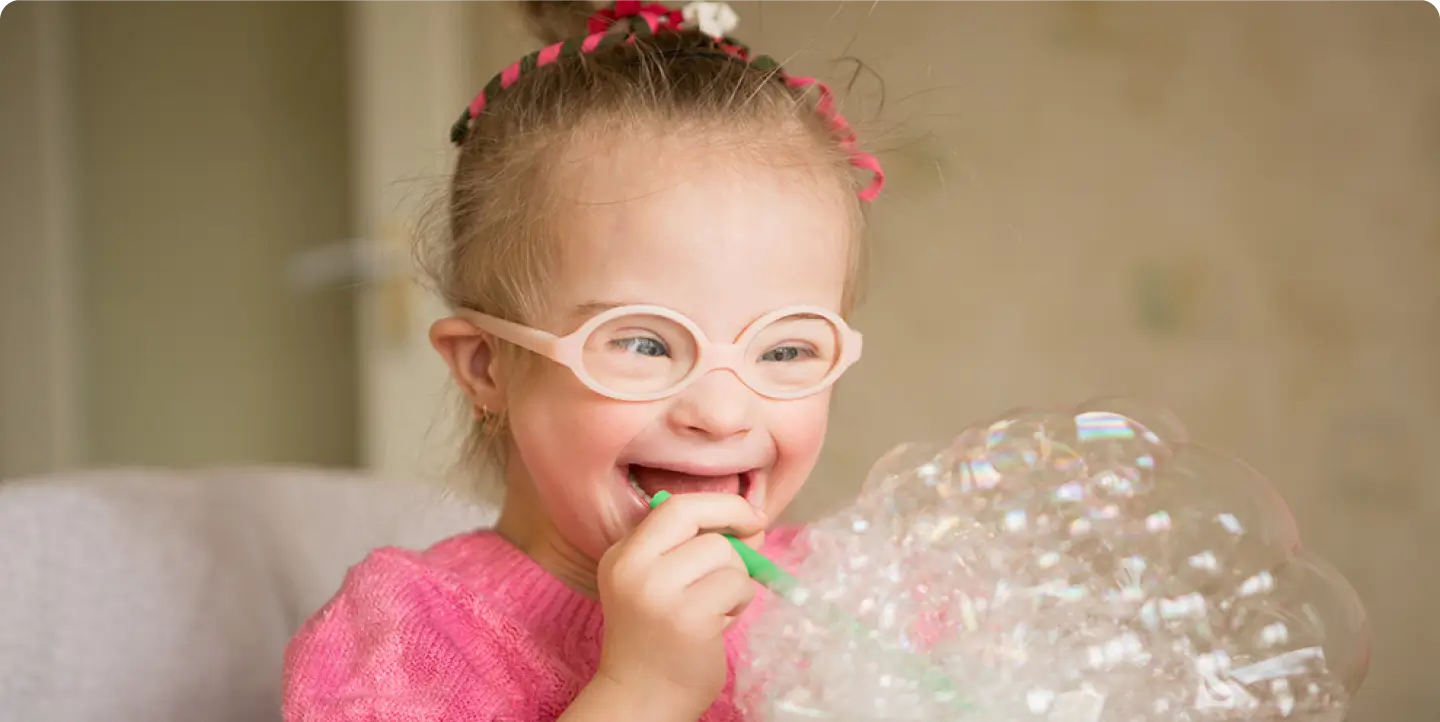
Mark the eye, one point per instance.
(787, 353)
(641, 345)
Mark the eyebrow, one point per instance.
(585, 310)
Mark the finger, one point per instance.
(688, 563)
(684, 517)
(719, 594)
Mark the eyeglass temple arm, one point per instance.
(525, 337)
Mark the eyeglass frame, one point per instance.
(569, 350)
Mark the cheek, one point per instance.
(799, 432)
(804, 433)
(566, 434)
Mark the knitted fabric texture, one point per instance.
(470, 630)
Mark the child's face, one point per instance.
(722, 246)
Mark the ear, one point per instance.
(470, 354)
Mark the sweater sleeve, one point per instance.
(400, 642)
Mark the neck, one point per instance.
(525, 524)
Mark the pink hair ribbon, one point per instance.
(650, 19)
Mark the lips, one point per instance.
(650, 480)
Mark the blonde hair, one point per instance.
(498, 249)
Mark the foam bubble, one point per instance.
(1078, 566)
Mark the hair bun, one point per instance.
(554, 21)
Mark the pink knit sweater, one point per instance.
(471, 630)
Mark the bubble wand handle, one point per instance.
(761, 569)
(771, 576)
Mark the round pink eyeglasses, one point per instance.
(646, 353)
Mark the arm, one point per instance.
(605, 700)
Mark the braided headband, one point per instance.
(712, 18)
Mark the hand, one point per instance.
(669, 589)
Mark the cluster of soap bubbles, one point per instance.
(1078, 566)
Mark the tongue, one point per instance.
(657, 480)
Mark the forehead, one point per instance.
(720, 239)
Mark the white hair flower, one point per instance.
(715, 19)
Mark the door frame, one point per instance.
(41, 366)
(409, 81)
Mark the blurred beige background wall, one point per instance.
(214, 144)
(164, 163)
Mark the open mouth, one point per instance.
(647, 481)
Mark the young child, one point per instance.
(653, 243)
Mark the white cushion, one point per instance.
(160, 596)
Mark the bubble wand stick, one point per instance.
(773, 577)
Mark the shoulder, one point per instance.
(404, 638)
(392, 587)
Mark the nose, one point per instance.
(718, 406)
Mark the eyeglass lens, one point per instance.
(647, 354)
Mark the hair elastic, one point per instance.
(642, 20)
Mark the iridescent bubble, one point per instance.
(1159, 421)
(1077, 566)
(1296, 629)
(1214, 519)
(899, 463)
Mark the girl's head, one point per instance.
(634, 163)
